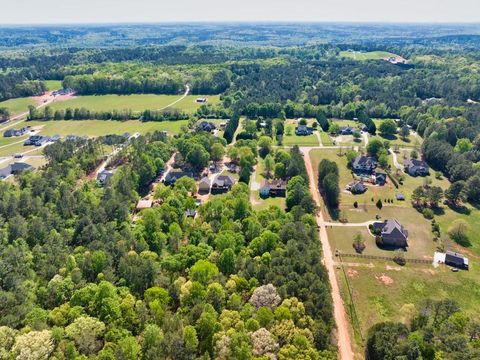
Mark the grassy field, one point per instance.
(372, 55)
(17, 106)
(103, 127)
(326, 139)
(383, 291)
(309, 140)
(53, 85)
(133, 102)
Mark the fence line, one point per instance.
(377, 257)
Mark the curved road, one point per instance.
(343, 336)
(187, 91)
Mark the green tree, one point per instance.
(463, 145)
(197, 157)
(203, 271)
(388, 128)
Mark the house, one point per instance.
(204, 186)
(144, 204)
(303, 130)
(357, 187)
(380, 177)
(456, 260)
(173, 176)
(18, 167)
(222, 184)
(364, 164)
(15, 132)
(37, 140)
(104, 175)
(417, 167)
(274, 188)
(201, 100)
(190, 213)
(346, 130)
(206, 126)
(392, 233)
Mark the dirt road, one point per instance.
(343, 336)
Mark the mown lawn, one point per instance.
(420, 238)
(104, 127)
(290, 140)
(371, 55)
(18, 105)
(137, 102)
(53, 85)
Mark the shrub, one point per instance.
(399, 258)
(428, 213)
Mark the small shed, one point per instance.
(456, 260)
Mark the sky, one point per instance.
(120, 11)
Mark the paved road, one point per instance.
(343, 336)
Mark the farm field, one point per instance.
(372, 55)
(104, 127)
(137, 102)
(18, 105)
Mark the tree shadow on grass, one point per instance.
(459, 209)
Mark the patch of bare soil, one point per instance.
(428, 271)
(386, 280)
(352, 273)
(395, 268)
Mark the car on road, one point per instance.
(18, 156)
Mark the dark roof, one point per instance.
(223, 181)
(104, 175)
(19, 166)
(419, 163)
(206, 126)
(364, 161)
(275, 184)
(175, 175)
(455, 258)
(358, 187)
(392, 227)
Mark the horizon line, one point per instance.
(244, 22)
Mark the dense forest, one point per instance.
(79, 279)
